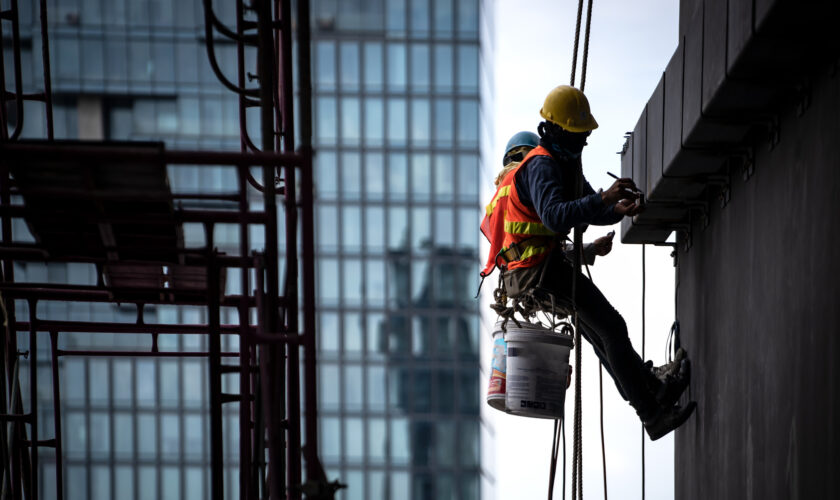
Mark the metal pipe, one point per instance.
(59, 457)
(117, 328)
(211, 54)
(215, 385)
(143, 354)
(13, 11)
(33, 397)
(45, 56)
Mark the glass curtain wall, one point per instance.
(399, 119)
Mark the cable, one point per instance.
(577, 39)
(585, 46)
(643, 357)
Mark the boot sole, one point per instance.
(683, 416)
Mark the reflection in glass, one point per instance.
(397, 228)
(376, 390)
(400, 442)
(353, 333)
(420, 228)
(377, 341)
(377, 440)
(374, 183)
(374, 233)
(422, 400)
(353, 386)
(375, 281)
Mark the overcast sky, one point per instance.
(630, 44)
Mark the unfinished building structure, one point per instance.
(736, 153)
(133, 236)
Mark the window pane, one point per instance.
(377, 440)
(328, 331)
(375, 281)
(377, 341)
(171, 483)
(124, 435)
(351, 118)
(331, 444)
(353, 333)
(100, 483)
(170, 441)
(374, 177)
(327, 237)
(351, 176)
(420, 134)
(395, 16)
(443, 178)
(147, 482)
(468, 178)
(443, 18)
(467, 133)
(325, 65)
(92, 63)
(397, 228)
(351, 229)
(147, 435)
(468, 219)
(421, 176)
(100, 435)
(98, 378)
(373, 65)
(327, 274)
(420, 228)
(352, 282)
(169, 394)
(420, 17)
(444, 129)
(444, 227)
(352, 384)
(467, 18)
(325, 111)
(329, 384)
(400, 443)
(443, 68)
(349, 61)
(326, 175)
(374, 121)
(397, 176)
(355, 435)
(376, 390)
(397, 122)
(420, 67)
(468, 68)
(396, 67)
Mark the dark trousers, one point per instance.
(600, 324)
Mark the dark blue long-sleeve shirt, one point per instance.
(547, 184)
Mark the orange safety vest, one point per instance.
(517, 235)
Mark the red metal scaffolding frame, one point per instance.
(160, 270)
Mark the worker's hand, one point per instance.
(628, 208)
(603, 245)
(622, 189)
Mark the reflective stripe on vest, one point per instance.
(503, 191)
(533, 228)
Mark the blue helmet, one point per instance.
(520, 139)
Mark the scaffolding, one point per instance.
(109, 204)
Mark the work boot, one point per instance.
(669, 381)
(667, 419)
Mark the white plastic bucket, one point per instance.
(537, 370)
(498, 370)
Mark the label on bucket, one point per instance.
(498, 368)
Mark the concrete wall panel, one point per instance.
(758, 295)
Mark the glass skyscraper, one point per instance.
(400, 114)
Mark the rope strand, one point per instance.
(643, 357)
(585, 46)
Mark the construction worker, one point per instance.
(518, 146)
(536, 205)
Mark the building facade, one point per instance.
(400, 88)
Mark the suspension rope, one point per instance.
(586, 46)
(577, 40)
(643, 357)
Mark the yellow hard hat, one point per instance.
(567, 107)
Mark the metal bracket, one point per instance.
(747, 164)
